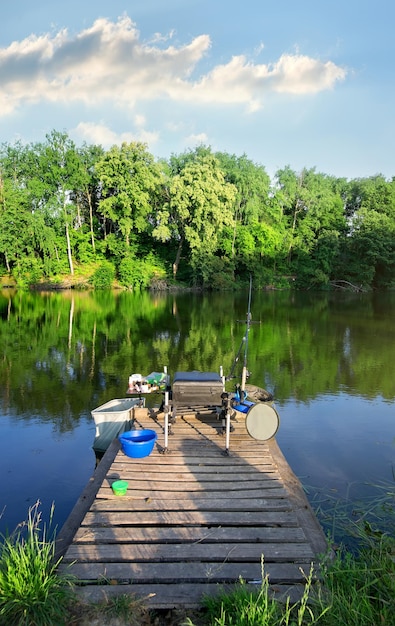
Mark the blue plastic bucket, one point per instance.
(138, 443)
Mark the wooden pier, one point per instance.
(194, 521)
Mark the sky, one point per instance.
(305, 84)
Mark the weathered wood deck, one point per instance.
(193, 520)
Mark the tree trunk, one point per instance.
(69, 249)
(178, 257)
(7, 263)
(91, 220)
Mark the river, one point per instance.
(326, 357)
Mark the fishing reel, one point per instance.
(227, 410)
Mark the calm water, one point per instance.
(328, 359)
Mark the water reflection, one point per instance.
(326, 357)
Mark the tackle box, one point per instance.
(197, 389)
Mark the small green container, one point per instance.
(119, 487)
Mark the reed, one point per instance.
(31, 591)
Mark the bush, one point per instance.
(139, 273)
(132, 274)
(103, 277)
(28, 271)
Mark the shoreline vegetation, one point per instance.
(84, 217)
(84, 283)
(356, 587)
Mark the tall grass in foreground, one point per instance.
(31, 592)
(246, 607)
(356, 588)
(354, 591)
(360, 589)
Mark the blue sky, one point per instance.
(304, 84)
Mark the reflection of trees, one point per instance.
(313, 344)
(65, 353)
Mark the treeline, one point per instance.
(204, 218)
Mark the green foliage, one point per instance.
(215, 272)
(252, 204)
(357, 590)
(373, 244)
(63, 205)
(128, 176)
(28, 272)
(200, 205)
(360, 589)
(31, 591)
(139, 273)
(84, 253)
(104, 276)
(248, 607)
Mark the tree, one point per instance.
(26, 241)
(200, 205)
(252, 206)
(129, 177)
(60, 168)
(88, 192)
(369, 256)
(314, 209)
(23, 236)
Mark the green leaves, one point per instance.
(200, 214)
(129, 177)
(200, 206)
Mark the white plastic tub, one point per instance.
(111, 419)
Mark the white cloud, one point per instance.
(139, 120)
(259, 48)
(301, 74)
(159, 38)
(196, 140)
(100, 134)
(109, 62)
(240, 81)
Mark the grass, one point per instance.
(360, 589)
(31, 592)
(244, 607)
(356, 588)
(122, 609)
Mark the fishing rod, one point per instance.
(244, 374)
(244, 342)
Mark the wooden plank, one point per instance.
(304, 512)
(188, 595)
(83, 503)
(174, 457)
(191, 534)
(133, 503)
(143, 494)
(232, 552)
(182, 518)
(204, 486)
(131, 473)
(175, 573)
(156, 467)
